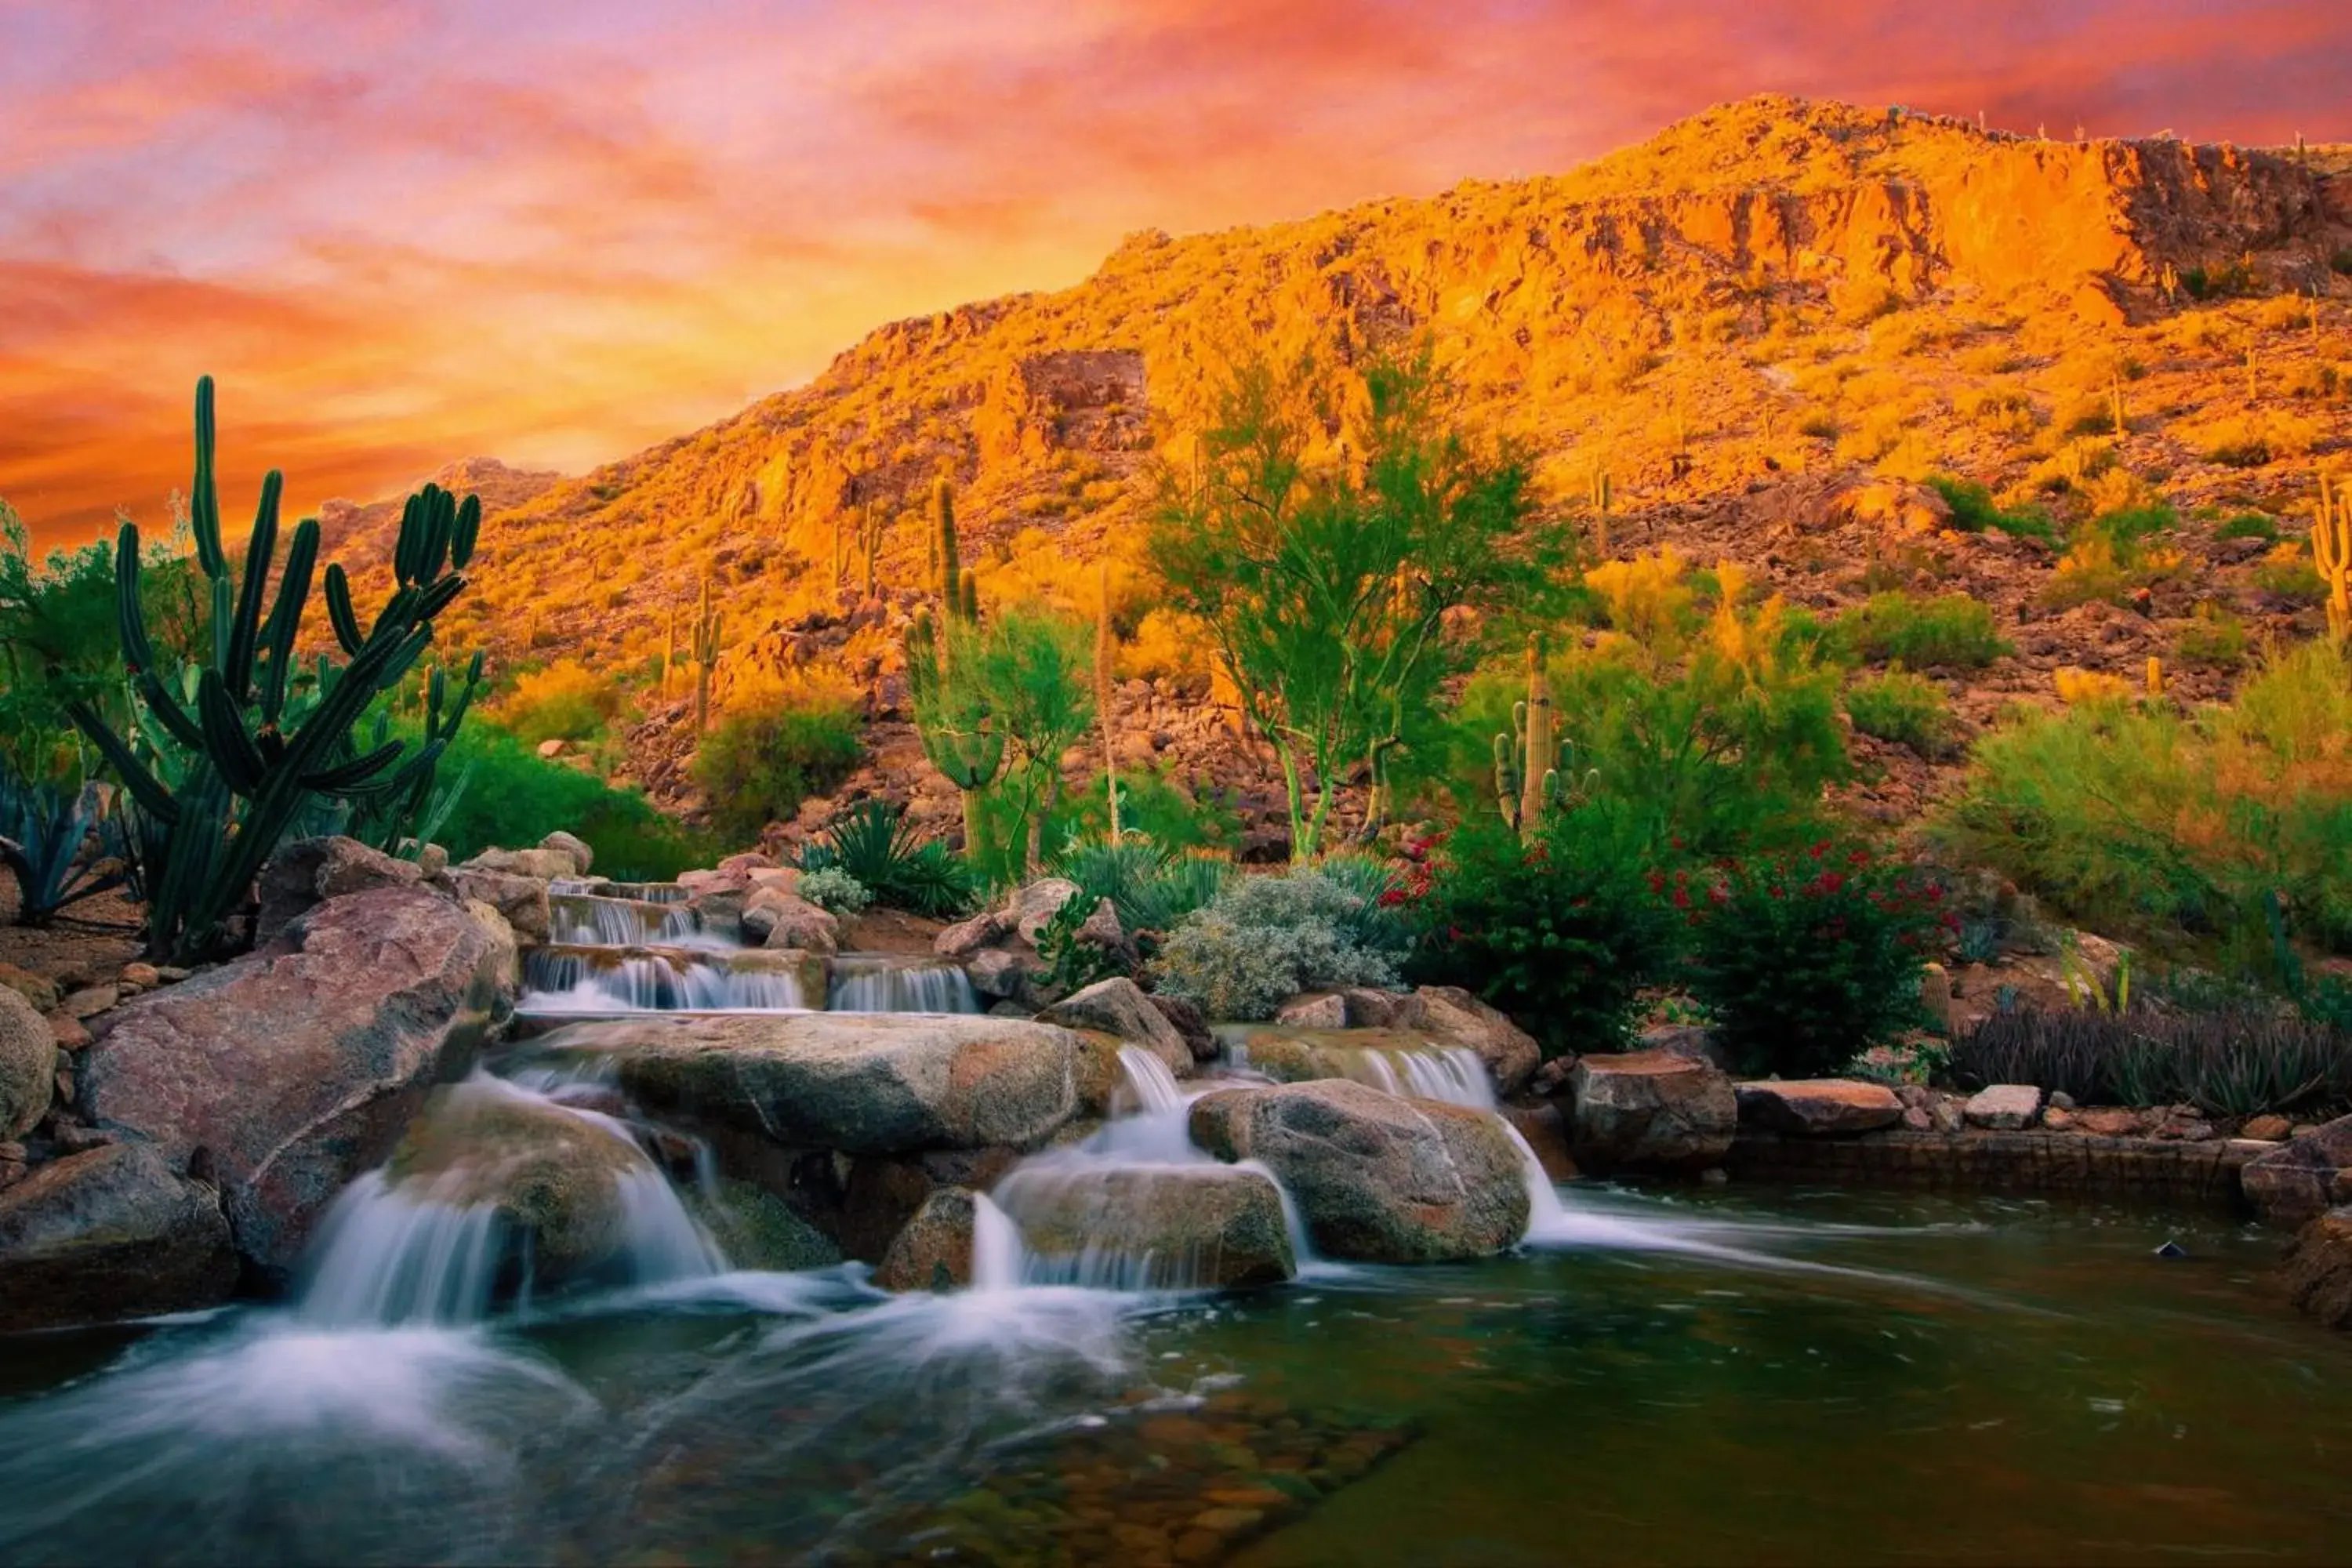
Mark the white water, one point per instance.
(579, 978)
(881, 984)
(593, 920)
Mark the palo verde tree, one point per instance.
(248, 741)
(1325, 573)
(1031, 670)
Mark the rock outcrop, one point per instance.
(28, 1065)
(111, 1233)
(1118, 1007)
(1150, 1226)
(284, 1074)
(1818, 1107)
(933, 1251)
(2302, 1178)
(1376, 1177)
(1650, 1111)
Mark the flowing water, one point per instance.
(889, 983)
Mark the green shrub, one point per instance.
(2248, 525)
(1150, 887)
(835, 891)
(1974, 509)
(757, 767)
(1806, 960)
(1952, 629)
(1265, 939)
(1905, 709)
(874, 845)
(2214, 636)
(1561, 933)
(511, 796)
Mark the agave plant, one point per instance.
(61, 845)
(874, 843)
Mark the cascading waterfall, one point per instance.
(883, 984)
(594, 920)
(636, 892)
(581, 978)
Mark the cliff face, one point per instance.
(1766, 303)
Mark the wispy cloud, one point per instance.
(405, 230)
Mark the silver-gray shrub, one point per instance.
(1265, 939)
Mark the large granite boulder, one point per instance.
(2301, 1179)
(784, 920)
(1377, 1177)
(1145, 1227)
(28, 1065)
(1650, 1111)
(109, 1234)
(573, 849)
(305, 873)
(1118, 1007)
(2319, 1267)
(1818, 1107)
(1451, 1014)
(554, 1176)
(2004, 1107)
(543, 865)
(285, 1073)
(521, 900)
(933, 1251)
(857, 1083)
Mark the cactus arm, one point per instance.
(204, 495)
(245, 626)
(144, 786)
(286, 619)
(339, 614)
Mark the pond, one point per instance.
(1752, 1375)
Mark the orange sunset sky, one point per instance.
(400, 233)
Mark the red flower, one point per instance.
(1682, 898)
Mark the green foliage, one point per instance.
(1150, 887)
(756, 766)
(2242, 1060)
(513, 795)
(1975, 511)
(1324, 579)
(232, 754)
(2214, 636)
(60, 846)
(835, 891)
(1951, 630)
(1807, 959)
(876, 845)
(1905, 709)
(2139, 819)
(2248, 525)
(1561, 933)
(564, 702)
(1265, 939)
(1033, 674)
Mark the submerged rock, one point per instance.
(1377, 1177)
(1150, 1226)
(2319, 1267)
(295, 1070)
(1819, 1108)
(111, 1233)
(757, 1230)
(1650, 1111)
(859, 1083)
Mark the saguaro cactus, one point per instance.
(707, 632)
(959, 737)
(1103, 683)
(2331, 547)
(1527, 760)
(1600, 496)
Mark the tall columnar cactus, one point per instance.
(958, 736)
(1600, 497)
(706, 632)
(870, 526)
(1103, 649)
(1527, 760)
(2116, 403)
(2331, 547)
(2155, 676)
(249, 744)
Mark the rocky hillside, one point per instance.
(1768, 325)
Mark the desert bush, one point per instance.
(2076, 686)
(1975, 511)
(1905, 709)
(506, 794)
(758, 765)
(1561, 933)
(835, 891)
(2287, 573)
(2244, 1060)
(1807, 959)
(1152, 886)
(564, 702)
(2213, 636)
(873, 845)
(2139, 819)
(1951, 629)
(1263, 939)
(2248, 525)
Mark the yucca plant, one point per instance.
(219, 781)
(874, 843)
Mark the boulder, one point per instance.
(2265, 1129)
(1696, 1041)
(1101, 931)
(757, 1230)
(296, 1069)
(2319, 1267)
(778, 919)
(1190, 1023)
(1313, 1010)
(572, 848)
(858, 1083)
(966, 938)
(1819, 1108)
(1118, 1007)
(28, 1065)
(882, 1192)
(1450, 1014)
(38, 989)
(1037, 903)
(506, 954)
(521, 899)
(1376, 1177)
(111, 1233)
(2303, 1177)
(998, 974)
(546, 865)
(305, 873)
(933, 1251)
(2004, 1107)
(554, 1174)
(1650, 1111)
(1150, 1226)
(1402, 1061)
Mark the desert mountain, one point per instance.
(1768, 325)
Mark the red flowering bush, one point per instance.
(1808, 958)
